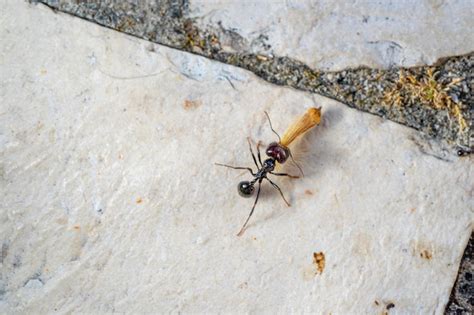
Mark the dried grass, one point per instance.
(428, 91)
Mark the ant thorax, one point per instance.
(269, 165)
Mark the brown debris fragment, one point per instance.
(190, 105)
(319, 261)
(426, 254)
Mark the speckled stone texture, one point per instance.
(462, 296)
(223, 31)
(293, 44)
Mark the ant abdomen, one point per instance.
(246, 189)
(278, 152)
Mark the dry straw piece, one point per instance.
(311, 118)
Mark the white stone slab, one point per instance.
(111, 202)
(335, 34)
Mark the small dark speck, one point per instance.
(468, 276)
(365, 18)
(464, 288)
(4, 252)
(100, 211)
(16, 261)
(471, 300)
(462, 152)
(390, 305)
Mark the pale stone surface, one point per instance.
(111, 202)
(335, 34)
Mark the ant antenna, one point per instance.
(271, 127)
(297, 165)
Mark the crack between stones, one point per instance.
(435, 100)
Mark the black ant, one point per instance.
(276, 152)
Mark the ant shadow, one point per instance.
(318, 151)
(315, 154)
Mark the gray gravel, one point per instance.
(462, 296)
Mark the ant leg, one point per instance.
(258, 153)
(251, 152)
(242, 230)
(284, 174)
(237, 168)
(278, 188)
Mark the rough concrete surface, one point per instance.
(111, 201)
(335, 35)
(307, 45)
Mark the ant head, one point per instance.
(278, 152)
(246, 189)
